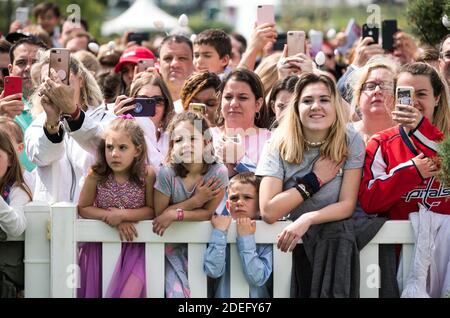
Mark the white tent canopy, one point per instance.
(139, 17)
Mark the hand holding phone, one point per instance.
(143, 107)
(295, 42)
(60, 61)
(265, 14)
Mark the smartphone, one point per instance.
(198, 107)
(295, 42)
(404, 95)
(388, 29)
(12, 85)
(144, 64)
(265, 14)
(59, 61)
(144, 107)
(22, 15)
(368, 32)
(138, 37)
(316, 40)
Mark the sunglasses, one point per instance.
(158, 99)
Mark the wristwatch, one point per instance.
(54, 127)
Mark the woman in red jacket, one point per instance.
(399, 171)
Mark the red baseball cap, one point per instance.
(133, 55)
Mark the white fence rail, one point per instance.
(50, 266)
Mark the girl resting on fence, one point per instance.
(118, 191)
(189, 187)
(14, 194)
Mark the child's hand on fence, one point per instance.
(163, 221)
(245, 226)
(127, 231)
(114, 217)
(206, 191)
(221, 222)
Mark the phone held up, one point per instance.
(12, 85)
(144, 107)
(265, 14)
(295, 42)
(144, 64)
(404, 95)
(371, 32)
(60, 61)
(388, 29)
(198, 107)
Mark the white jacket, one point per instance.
(429, 275)
(61, 167)
(12, 217)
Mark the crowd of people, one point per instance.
(239, 132)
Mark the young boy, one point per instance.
(256, 260)
(212, 52)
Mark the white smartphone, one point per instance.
(265, 14)
(22, 15)
(404, 95)
(295, 42)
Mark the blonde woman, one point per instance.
(373, 96)
(63, 138)
(312, 167)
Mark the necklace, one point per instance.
(314, 144)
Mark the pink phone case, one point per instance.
(265, 14)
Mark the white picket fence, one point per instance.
(51, 270)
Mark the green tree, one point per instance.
(425, 18)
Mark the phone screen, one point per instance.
(265, 14)
(405, 95)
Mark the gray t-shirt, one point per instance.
(172, 186)
(271, 165)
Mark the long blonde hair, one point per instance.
(90, 92)
(289, 138)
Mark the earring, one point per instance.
(257, 115)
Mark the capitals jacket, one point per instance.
(391, 182)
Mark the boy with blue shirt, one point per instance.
(256, 260)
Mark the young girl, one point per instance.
(189, 187)
(118, 191)
(14, 194)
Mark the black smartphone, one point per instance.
(144, 107)
(137, 37)
(370, 32)
(388, 29)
